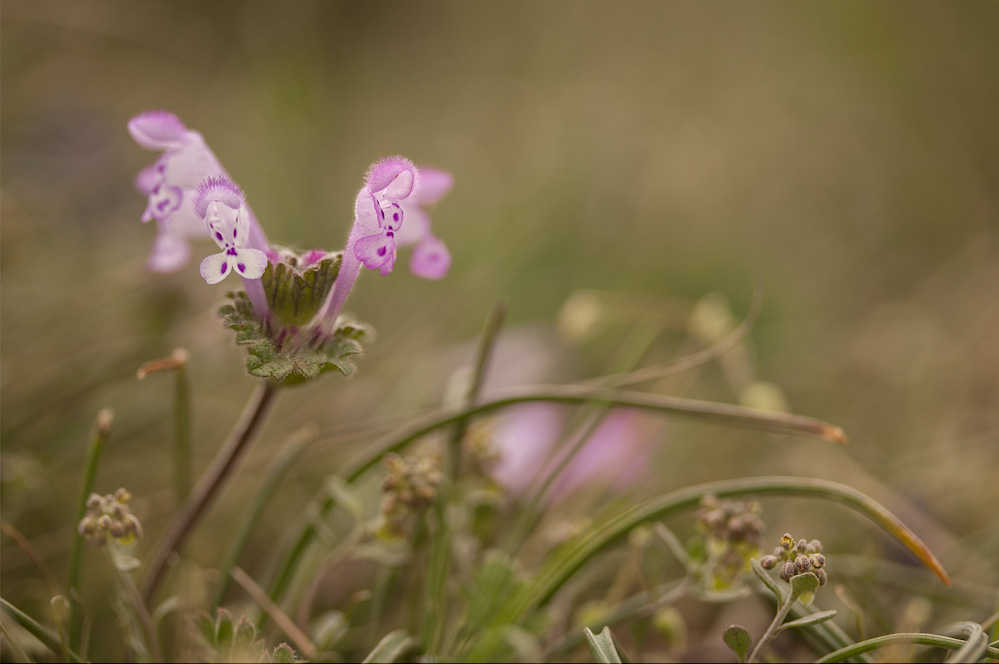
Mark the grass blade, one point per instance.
(45, 636)
(575, 553)
(904, 637)
(98, 437)
(602, 646)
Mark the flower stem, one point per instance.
(99, 435)
(778, 620)
(249, 423)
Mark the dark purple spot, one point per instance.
(395, 216)
(218, 235)
(389, 234)
(231, 251)
(234, 231)
(225, 266)
(240, 267)
(381, 251)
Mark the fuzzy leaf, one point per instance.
(737, 638)
(762, 575)
(296, 361)
(803, 583)
(811, 619)
(283, 654)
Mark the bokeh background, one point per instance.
(842, 157)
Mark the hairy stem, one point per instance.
(211, 482)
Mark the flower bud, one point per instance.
(93, 501)
(818, 560)
(117, 529)
(821, 574)
(802, 545)
(104, 522)
(122, 495)
(768, 562)
(788, 571)
(816, 545)
(801, 564)
(787, 542)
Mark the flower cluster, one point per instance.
(289, 312)
(733, 531)
(110, 516)
(410, 488)
(799, 557)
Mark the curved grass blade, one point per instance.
(574, 554)
(906, 637)
(577, 395)
(45, 636)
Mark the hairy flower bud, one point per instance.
(818, 560)
(768, 562)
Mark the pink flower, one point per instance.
(171, 184)
(389, 202)
(221, 204)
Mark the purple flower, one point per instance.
(617, 453)
(170, 186)
(221, 204)
(430, 259)
(391, 197)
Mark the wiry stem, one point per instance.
(242, 434)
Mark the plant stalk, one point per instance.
(211, 482)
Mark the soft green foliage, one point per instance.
(737, 638)
(295, 361)
(231, 639)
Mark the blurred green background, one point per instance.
(842, 156)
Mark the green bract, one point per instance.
(290, 347)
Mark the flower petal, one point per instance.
(157, 130)
(365, 215)
(416, 228)
(430, 259)
(434, 184)
(250, 263)
(216, 267)
(191, 163)
(395, 177)
(217, 188)
(147, 179)
(170, 253)
(163, 202)
(375, 251)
